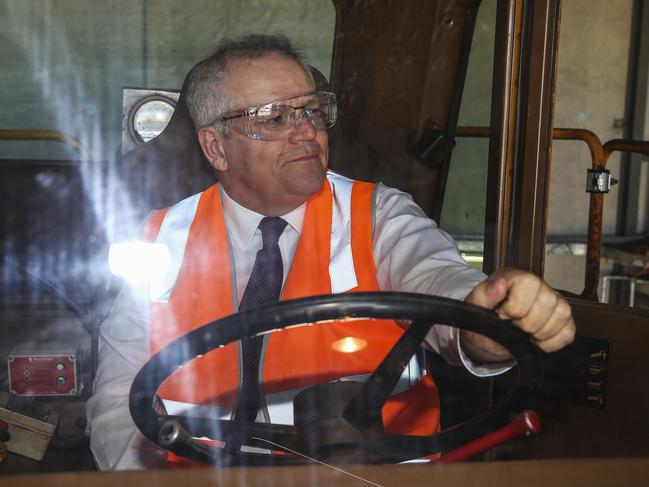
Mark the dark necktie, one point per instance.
(263, 288)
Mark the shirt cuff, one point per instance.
(478, 369)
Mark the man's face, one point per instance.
(270, 177)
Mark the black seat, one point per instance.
(167, 168)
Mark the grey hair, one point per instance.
(206, 99)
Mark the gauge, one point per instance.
(149, 117)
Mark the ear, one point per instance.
(211, 142)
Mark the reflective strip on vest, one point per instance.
(174, 233)
(341, 261)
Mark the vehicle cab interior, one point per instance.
(521, 127)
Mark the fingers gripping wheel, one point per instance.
(336, 421)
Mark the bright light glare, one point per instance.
(138, 262)
(349, 345)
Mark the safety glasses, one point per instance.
(280, 119)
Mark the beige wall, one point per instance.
(591, 86)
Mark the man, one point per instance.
(262, 126)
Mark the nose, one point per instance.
(304, 131)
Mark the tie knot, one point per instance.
(271, 228)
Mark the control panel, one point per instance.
(44, 370)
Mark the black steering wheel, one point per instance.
(357, 422)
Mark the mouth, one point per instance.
(306, 157)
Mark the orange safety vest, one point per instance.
(202, 290)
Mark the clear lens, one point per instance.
(282, 118)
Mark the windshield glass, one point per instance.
(134, 212)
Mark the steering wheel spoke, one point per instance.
(364, 410)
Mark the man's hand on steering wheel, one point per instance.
(530, 303)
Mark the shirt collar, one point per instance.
(242, 222)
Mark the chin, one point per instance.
(307, 179)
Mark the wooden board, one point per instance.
(29, 437)
(556, 473)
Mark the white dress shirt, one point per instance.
(411, 255)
